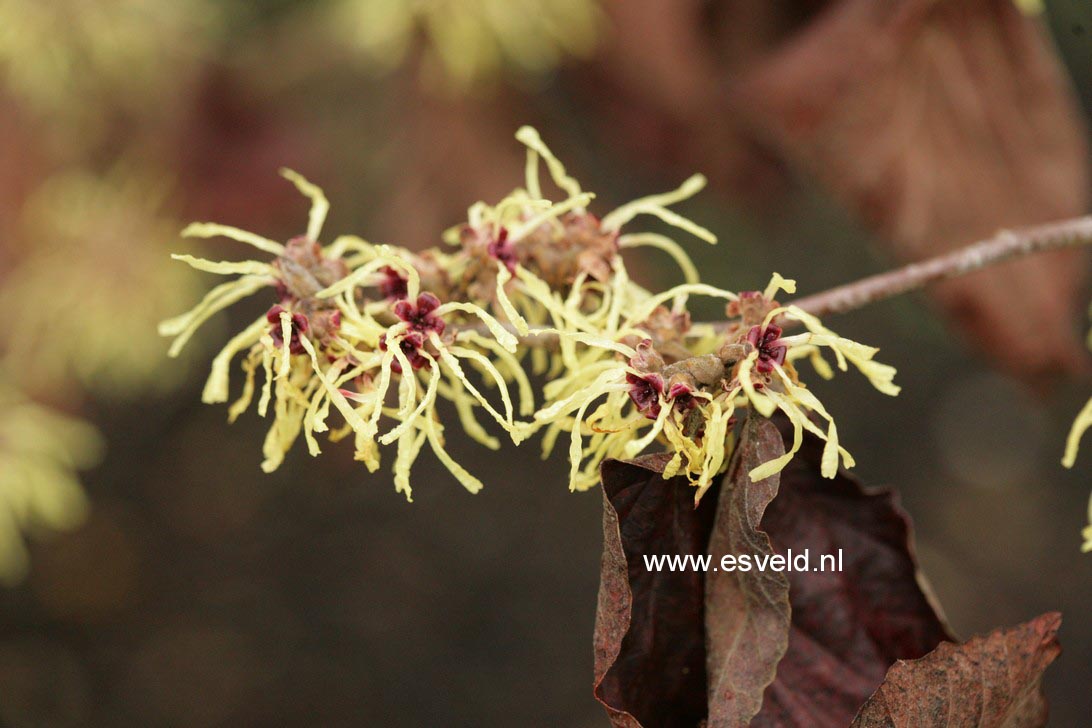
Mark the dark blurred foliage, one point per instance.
(204, 593)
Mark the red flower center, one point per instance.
(504, 251)
(299, 326)
(420, 316)
(645, 392)
(410, 344)
(771, 350)
(393, 286)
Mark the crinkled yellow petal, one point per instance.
(286, 343)
(408, 450)
(778, 464)
(777, 283)
(530, 138)
(490, 369)
(212, 230)
(1072, 442)
(267, 372)
(216, 387)
(503, 336)
(456, 370)
(666, 244)
(656, 205)
(461, 474)
(239, 406)
(513, 367)
(319, 205)
(634, 447)
(427, 402)
(510, 312)
(226, 267)
(762, 403)
(219, 298)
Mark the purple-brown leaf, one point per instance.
(988, 682)
(747, 612)
(649, 637)
(848, 626)
(807, 646)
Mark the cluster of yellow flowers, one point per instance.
(66, 56)
(40, 452)
(76, 227)
(80, 226)
(527, 286)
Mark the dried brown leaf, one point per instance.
(848, 626)
(746, 612)
(781, 648)
(940, 123)
(987, 682)
(649, 637)
(821, 641)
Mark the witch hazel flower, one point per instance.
(556, 265)
(328, 343)
(685, 388)
(646, 391)
(362, 341)
(420, 320)
(277, 342)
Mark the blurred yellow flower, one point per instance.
(70, 58)
(468, 41)
(91, 280)
(40, 452)
(1030, 7)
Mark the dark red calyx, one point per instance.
(410, 344)
(394, 286)
(299, 327)
(682, 396)
(504, 251)
(420, 317)
(771, 349)
(645, 392)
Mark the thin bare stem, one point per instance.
(1004, 246)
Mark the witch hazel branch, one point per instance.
(362, 341)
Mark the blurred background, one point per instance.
(180, 586)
